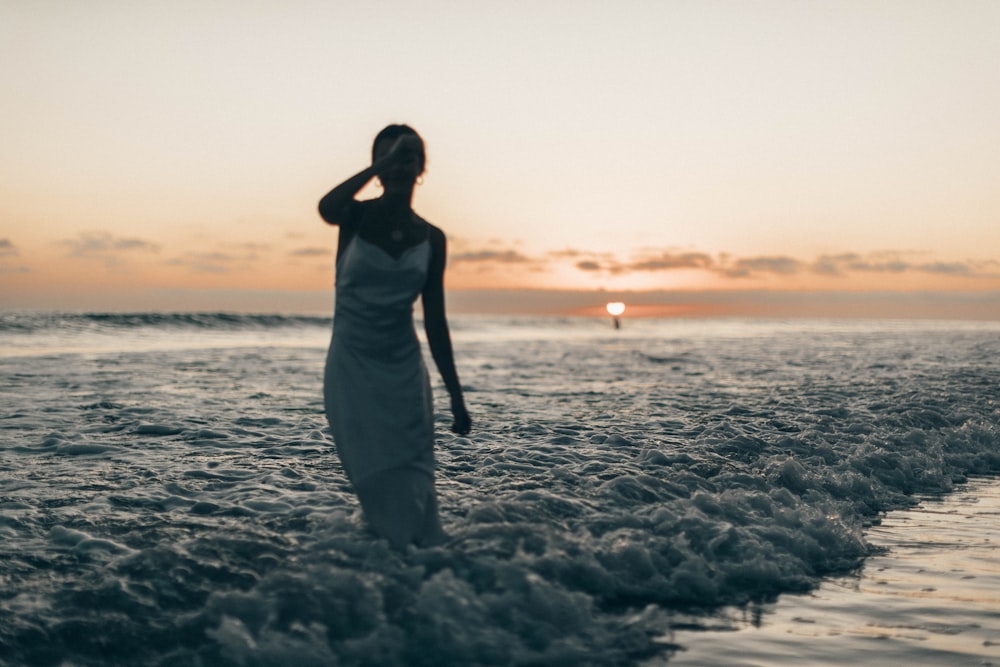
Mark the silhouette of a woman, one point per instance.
(376, 388)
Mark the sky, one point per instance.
(689, 157)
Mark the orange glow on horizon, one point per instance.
(639, 311)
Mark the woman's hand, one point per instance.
(462, 423)
(405, 146)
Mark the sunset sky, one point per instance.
(170, 155)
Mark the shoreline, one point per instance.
(913, 603)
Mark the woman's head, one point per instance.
(385, 139)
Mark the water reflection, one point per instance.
(930, 599)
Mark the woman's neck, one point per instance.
(398, 199)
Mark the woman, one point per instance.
(376, 389)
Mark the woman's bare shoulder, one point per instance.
(434, 233)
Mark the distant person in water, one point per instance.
(376, 389)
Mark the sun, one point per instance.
(615, 308)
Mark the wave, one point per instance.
(221, 321)
(613, 491)
(502, 327)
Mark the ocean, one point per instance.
(689, 491)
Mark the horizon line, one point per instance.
(882, 304)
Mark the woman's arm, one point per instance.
(438, 336)
(335, 205)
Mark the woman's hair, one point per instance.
(391, 132)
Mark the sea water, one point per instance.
(928, 596)
(169, 494)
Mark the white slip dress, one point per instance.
(377, 392)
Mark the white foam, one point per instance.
(610, 484)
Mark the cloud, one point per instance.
(834, 265)
(892, 262)
(567, 253)
(969, 269)
(496, 256)
(724, 265)
(586, 260)
(105, 247)
(9, 250)
(869, 266)
(742, 268)
(669, 261)
(699, 261)
(212, 262)
(100, 244)
(728, 266)
(947, 268)
(310, 252)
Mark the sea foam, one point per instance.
(179, 505)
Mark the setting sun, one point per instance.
(615, 308)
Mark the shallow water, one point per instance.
(932, 597)
(169, 494)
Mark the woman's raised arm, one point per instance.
(334, 204)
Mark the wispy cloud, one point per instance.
(101, 243)
(585, 260)
(728, 266)
(213, 262)
(8, 251)
(749, 266)
(647, 260)
(667, 261)
(575, 253)
(947, 268)
(310, 252)
(894, 262)
(105, 247)
(833, 265)
(496, 256)
(222, 257)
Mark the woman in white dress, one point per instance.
(376, 388)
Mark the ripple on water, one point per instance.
(929, 598)
(613, 488)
